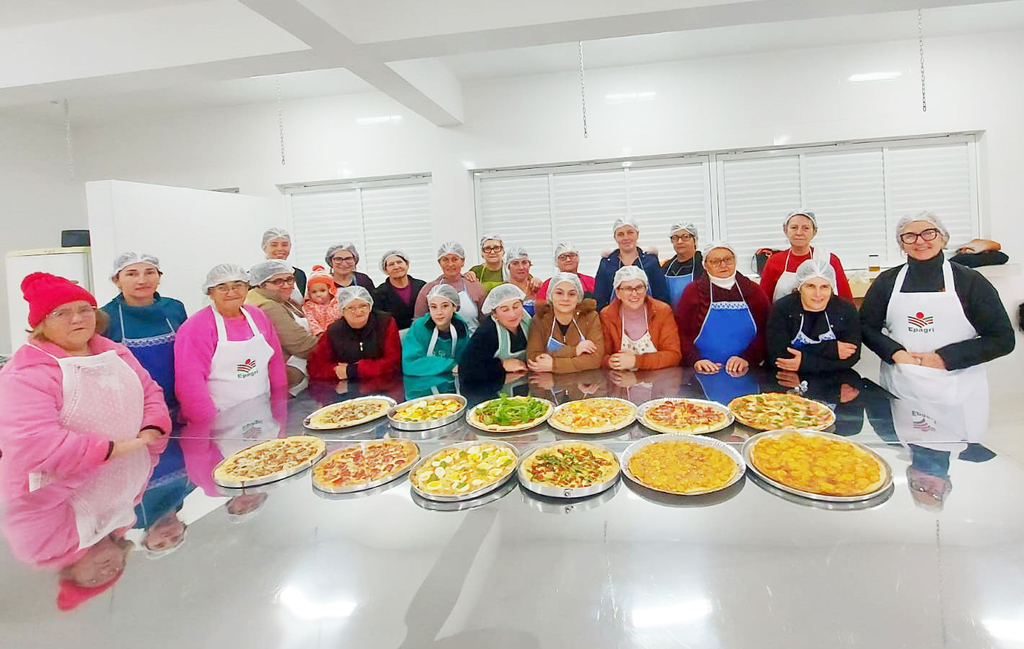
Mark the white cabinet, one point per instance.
(72, 263)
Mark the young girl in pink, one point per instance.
(321, 305)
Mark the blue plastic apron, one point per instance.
(156, 354)
(727, 331)
(676, 285)
(722, 387)
(802, 340)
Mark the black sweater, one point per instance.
(386, 299)
(979, 299)
(479, 364)
(675, 268)
(784, 323)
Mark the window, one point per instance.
(376, 216)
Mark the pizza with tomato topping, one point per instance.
(593, 416)
(687, 416)
(365, 465)
(775, 410)
(269, 461)
(570, 465)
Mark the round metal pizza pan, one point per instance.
(265, 487)
(563, 506)
(355, 495)
(564, 492)
(463, 505)
(748, 448)
(730, 418)
(433, 423)
(469, 495)
(366, 485)
(820, 403)
(878, 499)
(375, 397)
(558, 426)
(269, 479)
(519, 429)
(733, 454)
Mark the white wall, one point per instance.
(38, 199)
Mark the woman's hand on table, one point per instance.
(846, 350)
(586, 347)
(341, 371)
(704, 366)
(791, 364)
(787, 379)
(513, 365)
(622, 361)
(544, 380)
(588, 388)
(737, 366)
(623, 379)
(543, 363)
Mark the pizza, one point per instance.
(269, 461)
(570, 465)
(682, 467)
(818, 464)
(508, 414)
(593, 416)
(775, 410)
(685, 416)
(429, 409)
(365, 464)
(463, 469)
(348, 413)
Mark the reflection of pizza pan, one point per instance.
(432, 423)
(377, 397)
(642, 415)
(712, 499)
(509, 429)
(267, 487)
(694, 439)
(355, 495)
(280, 475)
(870, 503)
(748, 448)
(462, 505)
(562, 506)
(552, 491)
(746, 422)
(366, 485)
(469, 495)
(565, 429)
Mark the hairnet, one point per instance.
(451, 248)
(500, 294)
(264, 270)
(711, 245)
(813, 268)
(809, 214)
(351, 293)
(275, 233)
(930, 217)
(624, 222)
(566, 278)
(393, 253)
(447, 292)
(222, 273)
(351, 247)
(629, 273)
(563, 248)
(488, 237)
(126, 259)
(514, 253)
(684, 225)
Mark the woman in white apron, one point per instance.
(686, 265)
(566, 334)
(277, 244)
(778, 277)
(498, 347)
(78, 407)
(640, 332)
(227, 353)
(273, 282)
(933, 323)
(451, 257)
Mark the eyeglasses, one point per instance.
(721, 261)
(229, 287)
(676, 238)
(282, 281)
(927, 235)
(357, 308)
(343, 260)
(493, 249)
(632, 289)
(568, 256)
(69, 314)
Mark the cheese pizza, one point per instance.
(349, 413)
(364, 465)
(818, 464)
(269, 461)
(570, 465)
(684, 416)
(775, 410)
(593, 416)
(682, 467)
(464, 469)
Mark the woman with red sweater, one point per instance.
(778, 279)
(362, 344)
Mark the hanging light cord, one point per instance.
(280, 119)
(583, 92)
(920, 43)
(67, 139)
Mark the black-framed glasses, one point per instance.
(928, 235)
(493, 249)
(676, 238)
(282, 281)
(343, 260)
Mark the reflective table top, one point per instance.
(938, 560)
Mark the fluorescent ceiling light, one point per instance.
(295, 601)
(874, 76)
(378, 121)
(1006, 630)
(672, 614)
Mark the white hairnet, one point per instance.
(619, 223)
(812, 268)
(930, 217)
(809, 214)
(501, 294)
(711, 245)
(565, 247)
(222, 273)
(629, 273)
(684, 225)
(264, 270)
(393, 253)
(446, 292)
(488, 237)
(566, 278)
(352, 293)
(451, 248)
(126, 259)
(351, 247)
(275, 233)
(513, 254)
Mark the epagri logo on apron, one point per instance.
(247, 369)
(920, 323)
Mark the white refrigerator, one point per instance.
(72, 263)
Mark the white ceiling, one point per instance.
(117, 58)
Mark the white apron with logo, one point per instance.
(239, 369)
(103, 396)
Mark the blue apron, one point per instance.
(554, 345)
(156, 354)
(802, 340)
(723, 388)
(677, 284)
(727, 331)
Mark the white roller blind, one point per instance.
(518, 209)
(662, 196)
(321, 219)
(586, 204)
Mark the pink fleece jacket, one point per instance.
(31, 437)
(193, 352)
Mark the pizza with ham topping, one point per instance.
(593, 416)
(269, 461)
(685, 416)
(365, 464)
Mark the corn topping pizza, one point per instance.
(817, 464)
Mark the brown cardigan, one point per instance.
(565, 359)
(664, 333)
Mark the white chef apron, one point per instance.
(239, 369)
(787, 281)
